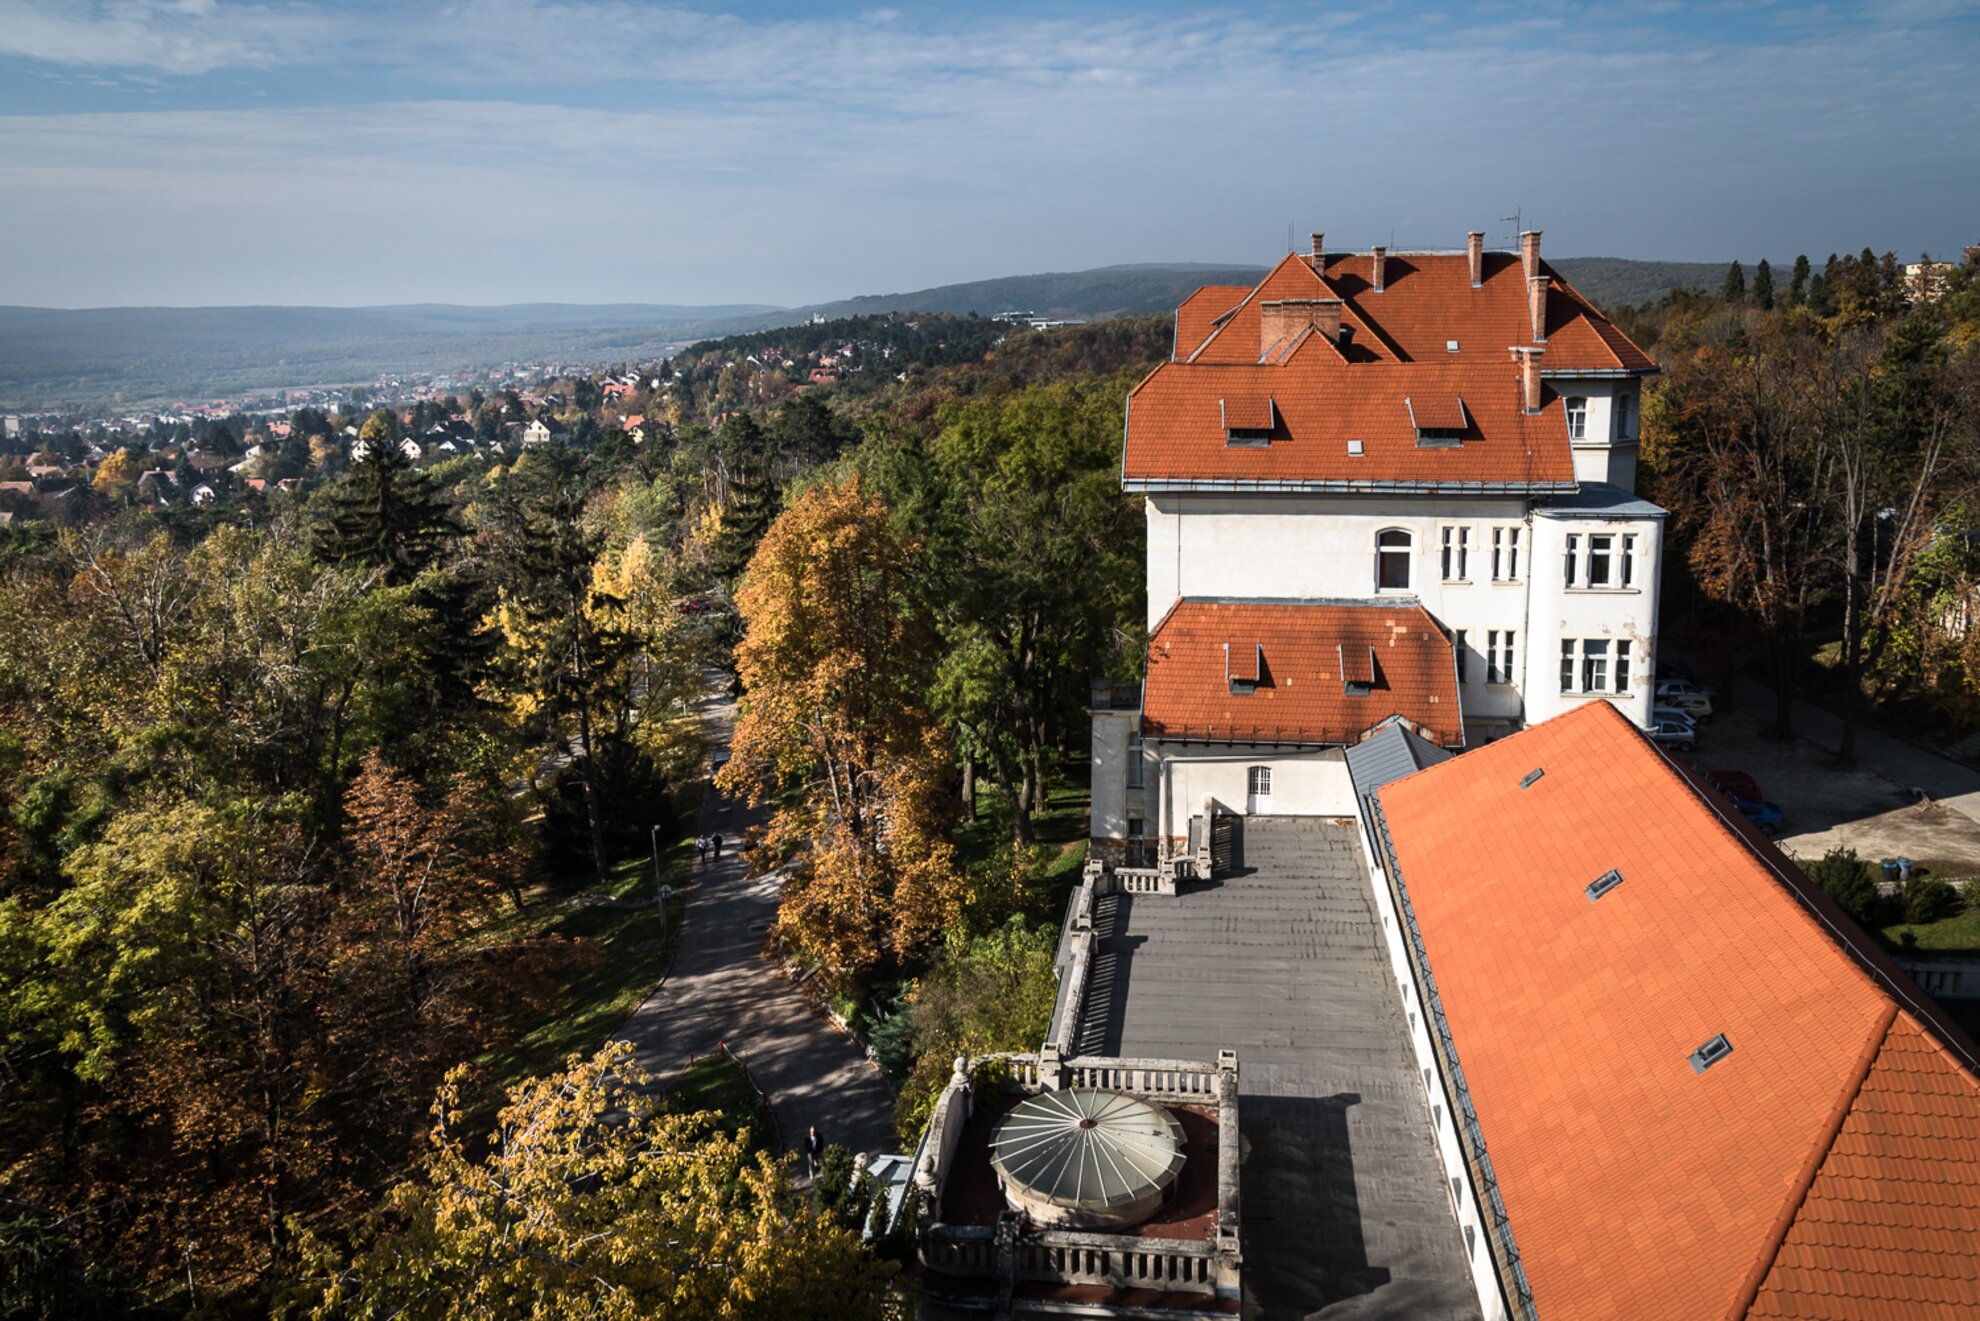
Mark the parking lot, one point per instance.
(1871, 807)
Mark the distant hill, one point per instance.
(1614, 281)
(138, 356)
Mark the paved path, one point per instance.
(722, 989)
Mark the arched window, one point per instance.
(1392, 549)
(1258, 790)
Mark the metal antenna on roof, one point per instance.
(1289, 229)
(1513, 242)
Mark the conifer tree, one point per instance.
(384, 513)
(1763, 286)
(1798, 285)
(1734, 289)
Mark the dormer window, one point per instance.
(1249, 421)
(1439, 422)
(1242, 681)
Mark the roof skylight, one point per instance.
(1602, 884)
(1531, 778)
(1710, 1053)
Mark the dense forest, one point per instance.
(308, 801)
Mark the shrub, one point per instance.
(1928, 899)
(1847, 879)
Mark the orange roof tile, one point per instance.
(1428, 335)
(1301, 656)
(1626, 1175)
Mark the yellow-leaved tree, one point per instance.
(833, 659)
(593, 1201)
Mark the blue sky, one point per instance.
(490, 151)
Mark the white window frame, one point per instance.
(1499, 645)
(1407, 552)
(1603, 559)
(1575, 406)
(1580, 656)
(1627, 551)
(1457, 552)
(1621, 406)
(1615, 557)
(1505, 553)
(1258, 790)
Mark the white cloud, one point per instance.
(163, 36)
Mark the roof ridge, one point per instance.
(1223, 323)
(1825, 1143)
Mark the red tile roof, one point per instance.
(1398, 345)
(1828, 1167)
(1307, 652)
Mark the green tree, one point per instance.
(1763, 286)
(1798, 283)
(1734, 289)
(593, 1201)
(1845, 878)
(384, 514)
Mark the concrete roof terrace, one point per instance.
(1345, 1210)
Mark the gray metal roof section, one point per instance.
(1598, 500)
(1388, 755)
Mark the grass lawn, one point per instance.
(1060, 829)
(632, 950)
(1959, 934)
(717, 1082)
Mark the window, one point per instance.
(1628, 560)
(1258, 788)
(1392, 560)
(1572, 558)
(1577, 417)
(1137, 842)
(1710, 1053)
(1460, 648)
(1623, 425)
(1595, 665)
(1457, 554)
(1505, 554)
(1498, 655)
(1601, 550)
(1134, 760)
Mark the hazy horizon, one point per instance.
(200, 153)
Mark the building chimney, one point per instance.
(1319, 246)
(1529, 357)
(1536, 307)
(1529, 252)
(1474, 248)
(1380, 259)
(1282, 320)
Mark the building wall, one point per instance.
(1309, 783)
(1560, 612)
(1112, 731)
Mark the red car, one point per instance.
(1736, 784)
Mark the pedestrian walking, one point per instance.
(701, 848)
(718, 845)
(814, 1148)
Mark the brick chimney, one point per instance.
(1474, 248)
(1379, 259)
(1536, 307)
(1529, 252)
(1317, 255)
(1529, 357)
(1281, 320)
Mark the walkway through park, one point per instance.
(721, 989)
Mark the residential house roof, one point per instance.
(1301, 672)
(1827, 1166)
(1428, 352)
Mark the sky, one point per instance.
(205, 152)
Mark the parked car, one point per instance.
(1697, 705)
(1764, 815)
(1680, 688)
(1736, 784)
(1677, 734)
(1662, 712)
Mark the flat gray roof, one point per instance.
(1598, 500)
(1346, 1212)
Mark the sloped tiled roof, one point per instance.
(1301, 695)
(1835, 1150)
(1429, 336)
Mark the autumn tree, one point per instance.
(593, 1200)
(834, 661)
